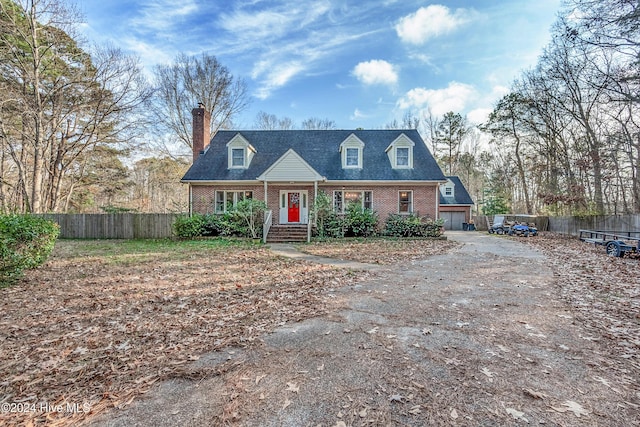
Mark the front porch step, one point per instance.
(287, 233)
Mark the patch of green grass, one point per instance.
(135, 251)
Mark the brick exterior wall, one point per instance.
(203, 196)
(385, 198)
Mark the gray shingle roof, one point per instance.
(460, 194)
(320, 149)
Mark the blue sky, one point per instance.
(359, 63)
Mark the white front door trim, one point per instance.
(283, 202)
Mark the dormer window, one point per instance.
(402, 157)
(400, 153)
(448, 189)
(351, 152)
(237, 157)
(353, 157)
(240, 152)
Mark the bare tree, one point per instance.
(314, 123)
(185, 83)
(28, 47)
(265, 121)
(58, 101)
(431, 124)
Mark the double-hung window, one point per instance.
(343, 199)
(226, 200)
(402, 156)
(237, 157)
(405, 202)
(352, 157)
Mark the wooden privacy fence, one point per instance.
(114, 226)
(573, 224)
(159, 226)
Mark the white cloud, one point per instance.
(258, 26)
(148, 53)
(276, 77)
(286, 40)
(429, 22)
(163, 14)
(357, 115)
(455, 97)
(376, 71)
(479, 115)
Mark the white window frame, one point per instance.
(401, 142)
(339, 205)
(358, 157)
(238, 142)
(448, 191)
(232, 197)
(408, 157)
(410, 210)
(233, 157)
(352, 142)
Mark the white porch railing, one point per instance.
(267, 225)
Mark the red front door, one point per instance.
(293, 207)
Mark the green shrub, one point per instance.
(323, 214)
(332, 226)
(356, 222)
(412, 226)
(359, 222)
(249, 217)
(244, 222)
(219, 225)
(25, 242)
(189, 226)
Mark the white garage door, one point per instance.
(453, 220)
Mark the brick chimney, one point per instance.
(201, 130)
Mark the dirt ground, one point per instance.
(497, 331)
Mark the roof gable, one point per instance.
(459, 196)
(402, 142)
(290, 167)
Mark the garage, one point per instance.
(453, 220)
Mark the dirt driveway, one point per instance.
(477, 337)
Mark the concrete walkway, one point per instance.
(289, 250)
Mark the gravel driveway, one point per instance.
(478, 336)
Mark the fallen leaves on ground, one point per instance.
(379, 250)
(96, 332)
(571, 406)
(604, 290)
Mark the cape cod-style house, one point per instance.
(389, 171)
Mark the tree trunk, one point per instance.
(38, 161)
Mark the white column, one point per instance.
(266, 187)
(315, 196)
